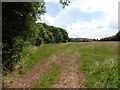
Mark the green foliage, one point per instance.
(52, 34)
(118, 36)
(80, 40)
(18, 24)
(112, 38)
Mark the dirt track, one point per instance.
(32, 76)
(70, 74)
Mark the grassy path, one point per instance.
(32, 75)
(69, 76)
(89, 64)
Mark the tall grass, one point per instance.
(100, 63)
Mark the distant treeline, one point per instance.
(112, 38)
(81, 40)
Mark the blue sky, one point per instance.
(84, 18)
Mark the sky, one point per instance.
(84, 18)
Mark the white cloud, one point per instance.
(91, 29)
(48, 19)
(108, 6)
(57, 20)
(96, 27)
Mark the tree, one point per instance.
(65, 35)
(55, 34)
(112, 38)
(117, 37)
(18, 24)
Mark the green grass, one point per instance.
(48, 78)
(99, 62)
(32, 56)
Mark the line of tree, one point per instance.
(19, 26)
(50, 34)
(81, 40)
(112, 38)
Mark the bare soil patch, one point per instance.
(70, 74)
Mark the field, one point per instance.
(83, 65)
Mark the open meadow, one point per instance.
(66, 65)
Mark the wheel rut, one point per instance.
(70, 74)
(33, 74)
